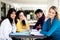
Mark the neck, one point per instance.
(52, 19)
(13, 21)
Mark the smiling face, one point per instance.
(13, 15)
(52, 13)
(21, 15)
(39, 15)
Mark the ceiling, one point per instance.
(31, 4)
(27, 1)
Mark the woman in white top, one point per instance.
(8, 25)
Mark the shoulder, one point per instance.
(5, 21)
(47, 21)
(18, 20)
(56, 22)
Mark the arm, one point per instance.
(46, 21)
(44, 28)
(53, 28)
(27, 26)
(18, 27)
(37, 24)
(4, 29)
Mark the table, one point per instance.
(27, 36)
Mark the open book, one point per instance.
(36, 32)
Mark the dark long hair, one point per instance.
(17, 16)
(40, 20)
(9, 13)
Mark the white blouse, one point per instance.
(6, 28)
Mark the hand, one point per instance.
(24, 18)
(39, 26)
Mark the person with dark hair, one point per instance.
(8, 25)
(40, 15)
(21, 23)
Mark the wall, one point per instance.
(0, 10)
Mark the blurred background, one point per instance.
(28, 6)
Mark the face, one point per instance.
(39, 15)
(13, 15)
(52, 13)
(21, 15)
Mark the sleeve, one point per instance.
(44, 28)
(37, 24)
(27, 26)
(4, 29)
(53, 28)
(17, 27)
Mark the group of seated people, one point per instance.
(16, 22)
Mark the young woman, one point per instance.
(21, 23)
(40, 15)
(51, 27)
(8, 25)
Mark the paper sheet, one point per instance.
(36, 32)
